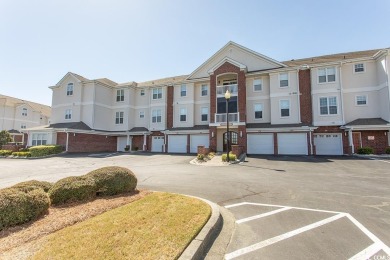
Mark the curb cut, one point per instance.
(199, 245)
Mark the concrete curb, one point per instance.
(197, 249)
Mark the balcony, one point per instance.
(233, 118)
(233, 89)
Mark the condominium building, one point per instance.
(16, 115)
(326, 105)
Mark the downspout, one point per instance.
(341, 94)
(299, 98)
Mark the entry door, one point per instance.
(233, 140)
(357, 140)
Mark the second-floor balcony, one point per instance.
(233, 89)
(233, 118)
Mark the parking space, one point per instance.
(266, 231)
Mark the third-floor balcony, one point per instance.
(233, 89)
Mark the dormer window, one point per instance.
(69, 89)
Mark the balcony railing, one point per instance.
(233, 118)
(233, 89)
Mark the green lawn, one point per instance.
(159, 226)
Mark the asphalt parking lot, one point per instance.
(293, 207)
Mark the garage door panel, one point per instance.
(157, 144)
(121, 143)
(177, 144)
(260, 143)
(328, 144)
(294, 144)
(197, 140)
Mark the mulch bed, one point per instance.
(22, 241)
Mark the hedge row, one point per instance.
(18, 206)
(22, 154)
(28, 200)
(43, 150)
(5, 152)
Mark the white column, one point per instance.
(144, 142)
(350, 140)
(67, 141)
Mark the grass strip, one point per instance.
(159, 226)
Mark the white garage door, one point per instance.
(157, 144)
(177, 143)
(197, 140)
(260, 144)
(328, 144)
(121, 143)
(292, 143)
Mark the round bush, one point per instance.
(18, 206)
(113, 180)
(72, 189)
(33, 184)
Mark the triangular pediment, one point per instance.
(73, 76)
(239, 56)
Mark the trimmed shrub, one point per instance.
(200, 157)
(232, 157)
(113, 180)
(5, 152)
(387, 151)
(43, 150)
(365, 150)
(33, 185)
(22, 154)
(24, 150)
(18, 207)
(72, 189)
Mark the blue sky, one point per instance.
(41, 40)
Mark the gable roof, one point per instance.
(273, 63)
(332, 58)
(43, 109)
(71, 125)
(368, 121)
(107, 82)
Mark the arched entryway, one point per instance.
(233, 140)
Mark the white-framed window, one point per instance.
(183, 114)
(183, 90)
(326, 75)
(361, 100)
(119, 117)
(157, 93)
(328, 106)
(156, 116)
(68, 114)
(257, 85)
(284, 108)
(120, 95)
(24, 111)
(204, 114)
(39, 139)
(69, 89)
(142, 92)
(358, 68)
(258, 111)
(23, 126)
(204, 90)
(141, 114)
(283, 80)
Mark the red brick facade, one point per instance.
(170, 94)
(213, 138)
(78, 143)
(305, 96)
(137, 142)
(377, 140)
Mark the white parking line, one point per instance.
(279, 238)
(280, 206)
(262, 215)
(367, 252)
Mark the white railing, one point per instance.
(233, 118)
(233, 89)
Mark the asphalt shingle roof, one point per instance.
(368, 121)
